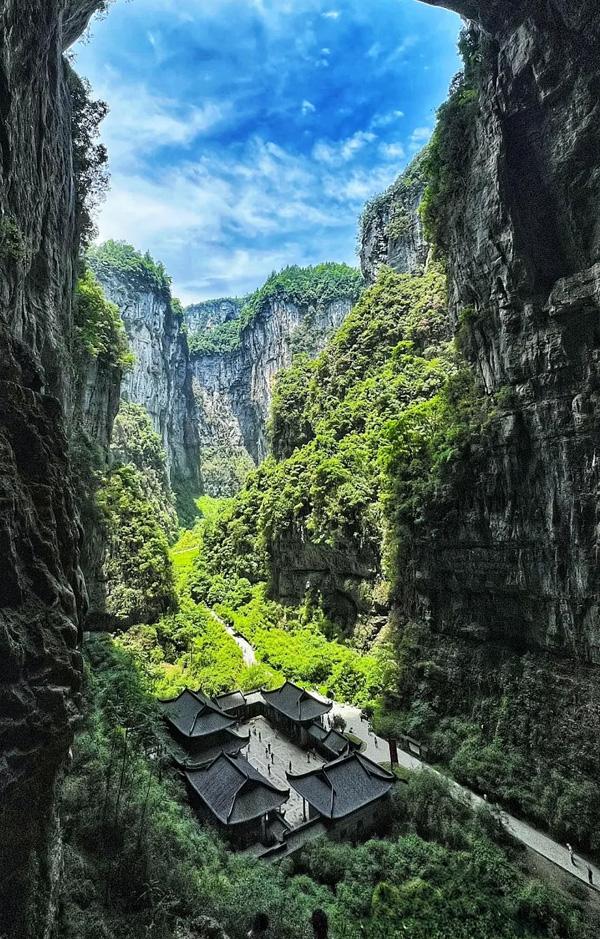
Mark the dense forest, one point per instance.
(382, 482)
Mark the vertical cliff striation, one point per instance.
(391, 230)
(42, 594)
(160, 378)
(522, 236)
(240, 348)
(502, 567)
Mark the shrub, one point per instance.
(98, 323)
(138, 568)
(140, 269)
(89, 156)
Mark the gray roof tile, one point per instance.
(296, 703)
(339, 788)
(234, 790)
(195, 715)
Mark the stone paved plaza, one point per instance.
(284, 752)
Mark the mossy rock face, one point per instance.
(391, 230)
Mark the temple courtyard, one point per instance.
(284, 756)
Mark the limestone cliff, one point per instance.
(516, 550)
(503, 572)
(234, 369)
(391, 230)
(42, 594)
(205, 316)
(160, 378)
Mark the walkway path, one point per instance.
(377, 749)
(248, 653)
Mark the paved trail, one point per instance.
(377, 749)
(248, 652)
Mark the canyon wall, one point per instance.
(160, 378)
(42, 594)
(391, 230)
(511, 551)
(497, 605)
(233, 388)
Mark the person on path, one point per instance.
(320, 924)
(590, 875)
(570, 850)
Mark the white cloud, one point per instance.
(384, 120)
(232, 218)
(139, 123)
(392, 151)
(419, 137)
(307, 107)
(332, 14)
(344, 151)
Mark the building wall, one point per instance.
(366, 821)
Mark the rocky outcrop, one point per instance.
(160, 378)
(42, 594)
(233, 389)
(200, 317)
(391, 227)
(512, 550)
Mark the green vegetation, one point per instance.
(218, 340)
(452, 140)
(89, 156)
(191, 649)
(13, 243)
(135, 442)
(424, 444)
(224, 469)
(325, 480)
(296, 643)
(98, 323)
(137, 863)
(500, 739)
(303, 286)
(138, 568)
(141, 269)
(139, 520)
(322, 486)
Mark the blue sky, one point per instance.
(245, 135)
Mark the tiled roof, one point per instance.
(330, 739)
(296, 703)
(195, 715)
(230, 700)
(234, 790)
(229, 742)
(339, 788)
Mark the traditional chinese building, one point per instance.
(232, 794)
(198, 724)
(329, 743)
(349, 794)
(293, 710)
(232, 703)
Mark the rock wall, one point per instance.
(42, 594)
(211, 313)
(391, 227)
(512, 548)
(233, 390)
(160, 379)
